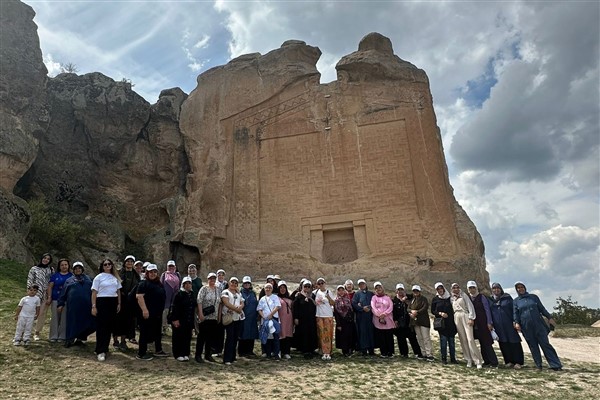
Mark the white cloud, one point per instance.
(202, 43)
(52, 66)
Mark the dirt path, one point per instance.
(586, 349)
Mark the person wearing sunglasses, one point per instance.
(106, 303)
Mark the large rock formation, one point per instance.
(23, 117)
(343, 179)
(261, 169)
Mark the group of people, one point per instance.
(228, 316)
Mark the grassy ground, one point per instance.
(49, 371)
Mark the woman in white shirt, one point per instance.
(325, 302)
(106, 302)
(268, 309)
(232, 306)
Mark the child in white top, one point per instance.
(27, 312)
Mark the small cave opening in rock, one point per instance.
(184, 255)
(339, 246)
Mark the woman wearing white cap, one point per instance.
(325, 302)
(268, 309)
(419, 310)
(383, 322)
(345, 329)
(233, 304)
(182, 320)
(171, 280)
(58, 324)
(305, 320)
(74, 304)
(464, 318)
(249, 332)
(361, 303)
(151, 299)
(403, 330)
(286, 319)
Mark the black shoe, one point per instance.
(145, 357)
(199, 360)
(209, 359)
(453, 361)
(556, 369)
(160, 354)
(444, 361)
(68, 343)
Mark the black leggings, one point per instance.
(207, 331)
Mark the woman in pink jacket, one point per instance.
(382, 307)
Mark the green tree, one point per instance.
(569, 312)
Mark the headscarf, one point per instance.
(497, 285)
(342, 305)
(520, 283)
(172, 279)
(41, 264)
(444, 296)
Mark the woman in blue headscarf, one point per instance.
(527, 314)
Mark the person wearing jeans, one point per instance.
(441, 307)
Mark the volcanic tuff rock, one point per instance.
(23, 117)
(342, 179)
(261, 169)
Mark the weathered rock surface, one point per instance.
(261, 169)
(343, 179)
(23, 116)
(111, 159)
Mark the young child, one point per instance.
(27, 311)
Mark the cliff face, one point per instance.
(347, 178)
(23, 117)
(261, 169)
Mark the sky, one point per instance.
(515, 88)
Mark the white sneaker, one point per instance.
(36, 337)
(287, 356)
(101, 357)
(324, 357)
(180, 358)
(186, 358)
(479, 366)
(469, 364)
(17, 343)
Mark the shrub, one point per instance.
(51, 230)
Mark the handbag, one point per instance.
(438, 323)
(208, 310)
(227, 319)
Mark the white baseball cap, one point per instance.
(416, 287)
(399, 286)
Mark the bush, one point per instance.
(51, 231)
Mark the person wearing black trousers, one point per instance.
(151, 299)
(401, 320)
(181, 318)
(106, 303)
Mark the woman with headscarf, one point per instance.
(464, 318)
(345, 329)
(508, 338)
(150, 296)
(286, 320)
(249, 328)
(419, 312)
(441, 307)
(182, 317)
(349, 286)
(171, 281)
(361, 304)
(402, 330)
(58, 324)
(305, 321)
(125, 324)
(74, 303)
(106, 303)
(383, 321)
(483, 325)
(527, 314)
(209, 299)
(40, 275)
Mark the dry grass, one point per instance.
(49, 371)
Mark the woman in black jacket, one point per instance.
(441, 307)
(181, 318)
(151, 299)
(401, 320)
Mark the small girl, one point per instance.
(27, 311)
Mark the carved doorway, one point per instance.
(339, 246)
